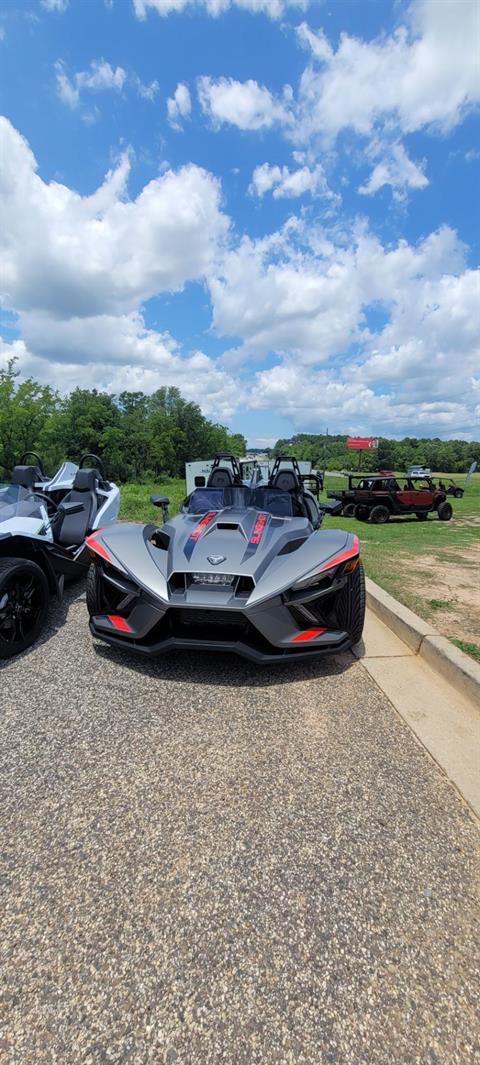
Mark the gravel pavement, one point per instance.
(206, 862)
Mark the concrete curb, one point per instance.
(455, 666)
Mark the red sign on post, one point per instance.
(361, 443)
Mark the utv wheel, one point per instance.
(445, 511)
(24, 597)
(351, 604)
(348, 510)
(379, 515)
(458, 493)
(361, 512)
(95, 604)
(420, 515)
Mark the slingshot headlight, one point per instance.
(220, 579)
(349, 557)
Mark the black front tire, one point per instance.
(361, 512)
(24, 598)
(445, 511)
(95, 603)
(348, 510)
(351, 604)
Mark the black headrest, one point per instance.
(26, 476)
(286, 481)
(220, 478)
(86, 480)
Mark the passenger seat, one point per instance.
(78, 509)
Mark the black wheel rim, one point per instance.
(21, 603)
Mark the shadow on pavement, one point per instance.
(226, 670)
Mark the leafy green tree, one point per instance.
(25, 408)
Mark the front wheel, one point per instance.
(445, 511)
(95, 598)
(24, 597)
(351, 604)
(361, 512)
(348, 510)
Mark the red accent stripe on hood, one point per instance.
(207, 518)
(258, 529)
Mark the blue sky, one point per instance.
(272, 204)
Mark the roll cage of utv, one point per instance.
(379, 496)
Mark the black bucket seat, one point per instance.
(78, 509)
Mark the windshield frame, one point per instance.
(261, 498)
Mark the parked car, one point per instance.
(242, 568)
(43, 524)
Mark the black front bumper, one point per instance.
(259, 651)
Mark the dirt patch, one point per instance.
(473, 523)
(450, 591)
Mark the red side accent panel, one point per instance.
(258, 529)
(119, 623)
(207, 518)
(307, 634)
(345, 555)
(91, 543)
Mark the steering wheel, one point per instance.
(48, 501)
(33, 454)
(98, 463)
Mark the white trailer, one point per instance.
(248, 465)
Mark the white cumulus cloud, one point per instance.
(77, 269)
(288, 184)
(397, 170)
(179, 106)
(309, 298)
(273, 8)
(424, 74)
(101, 76)
(81, 255)
(55, 5)
(246, 105)
(117, 352)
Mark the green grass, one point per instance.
(470, 648)
(387, 548)
(135, 499)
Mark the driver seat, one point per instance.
(82, 503)
(220, 478)
(286, 481)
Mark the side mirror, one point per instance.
(163, 502)
(199, 482)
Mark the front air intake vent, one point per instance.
(244, 587)
(292, 545)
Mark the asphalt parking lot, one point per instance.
(206, 862)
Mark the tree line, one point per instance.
(139, 437)
(331, 453)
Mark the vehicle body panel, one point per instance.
(222, 581)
